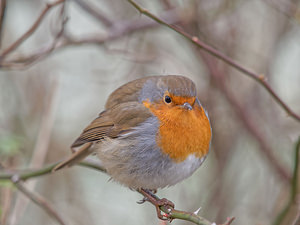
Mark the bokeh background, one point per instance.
(57, 81)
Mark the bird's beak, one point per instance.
(187, 106)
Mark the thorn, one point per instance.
(197, 211)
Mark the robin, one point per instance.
(152, 134)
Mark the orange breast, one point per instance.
(182, 132)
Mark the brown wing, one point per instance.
(113, 122)
(97, 130)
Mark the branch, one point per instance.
(30, 31)
(25, 175)
(193, 217)
(195, 40)
(37, 200)
(294, 187)
(117, 30)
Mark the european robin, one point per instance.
(153, 133)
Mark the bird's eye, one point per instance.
(168, 99)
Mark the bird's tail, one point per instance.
(76, 157)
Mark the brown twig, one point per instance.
(229, 221)
(182, 215)
(30, 31)
(37, 200)
(28, 174)
(117, 30)
(195, 40)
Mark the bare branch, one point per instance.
(37, 200)
(117, 30)
(30, 31)
(182, 215)
(195, 40)
(25, 175)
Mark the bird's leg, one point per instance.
(152, 191)
(157, 202)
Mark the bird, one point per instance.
(152, 134)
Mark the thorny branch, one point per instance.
(192, 217)
(17, 176)
(195, 40)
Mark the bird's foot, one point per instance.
(157, 202)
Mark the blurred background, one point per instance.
(57, 80)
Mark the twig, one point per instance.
(294, 186)
(117, 30)
(175, 214)
(229, 221)
(30, 31)
(182, 215)
(195, 40)
(37, 200)
(28, 174)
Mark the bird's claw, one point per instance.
(142, 201)
(158, 203)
